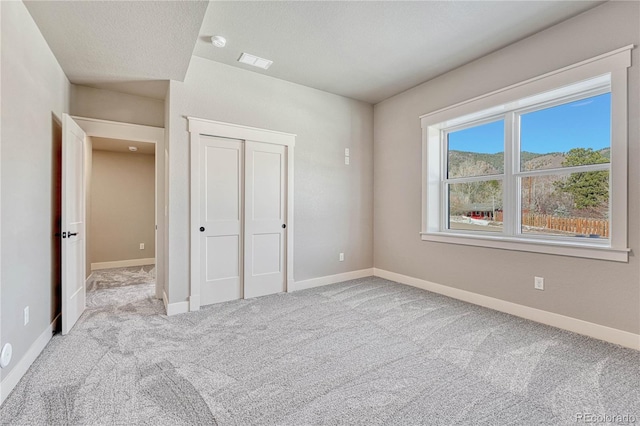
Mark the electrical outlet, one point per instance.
(341, 257)
(538, 283)
(26, 315)
(346, 160)
(346, 152)
(141, 246)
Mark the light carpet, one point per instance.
(362, 352)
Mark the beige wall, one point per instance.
(115, 106)
(333, 202)
(34, 90)
(122, 206)
(606, 293)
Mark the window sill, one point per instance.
(560, 248)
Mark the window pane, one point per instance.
(570, 205)
(476, 206)
(572, 134)
(476, 151)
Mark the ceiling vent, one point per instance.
(248, 59)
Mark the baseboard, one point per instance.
(332, 279)
(194, 303)
(123, 263)
(174, 308)
(597, 331)
(88, 281)
(22, 365)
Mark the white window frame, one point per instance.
(509, 103)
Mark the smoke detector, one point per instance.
(133, 148)
(218, 41)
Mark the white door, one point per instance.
(221, 180)
(73, 226)
(265, 219)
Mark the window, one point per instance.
(540, 166)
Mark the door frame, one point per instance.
(137, 132)
(202, 127)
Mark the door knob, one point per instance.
(284, 225)
(202, 229)
(71, 234)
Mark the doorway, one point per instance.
(72, 157)
(111, 138)
(120, 213)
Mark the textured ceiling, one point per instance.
(371, 50)
(363, 50)
(107, 42)
(121, 145)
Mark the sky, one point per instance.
(581, 124)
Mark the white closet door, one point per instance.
(265, 219)
(221, 176)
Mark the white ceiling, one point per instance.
(121, 42)
(359, 49)
(371, 50)
(122, 145)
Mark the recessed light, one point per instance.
(133, 148)
(255, 61)
(218, 41)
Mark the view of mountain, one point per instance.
(488, 164)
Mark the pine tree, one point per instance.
(589, 189)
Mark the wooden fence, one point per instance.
(570, 225)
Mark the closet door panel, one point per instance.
(265, 218)
(221, 242)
